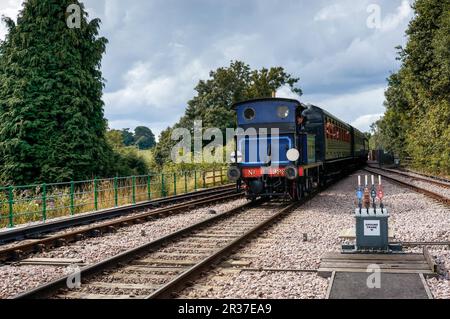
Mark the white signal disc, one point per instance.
(293, 155)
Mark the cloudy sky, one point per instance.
(342, 50)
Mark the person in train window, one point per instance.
(301, 121)
(329, 129)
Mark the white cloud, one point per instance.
(346, 106)
(159, 50)
(286, 93)
(393, 21)
(332, 12)
(364, 122)
(351, 106)
(157, 100)
(8, 8)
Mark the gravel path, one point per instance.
(17, 279)
(414, 218)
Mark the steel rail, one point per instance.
(429, 179)
(21, 233)
(168, 290)
(417, 189)
(88, 271)
(441, 179)
(425, 243)
(16, 252)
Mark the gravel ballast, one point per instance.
(440, 190)
(17, 279)
(414, 217)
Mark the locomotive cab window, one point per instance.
(283, 112)
(249, 114)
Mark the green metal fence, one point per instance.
(32, 203)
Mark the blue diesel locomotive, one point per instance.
(310, 147)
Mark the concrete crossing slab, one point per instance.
(347, 285)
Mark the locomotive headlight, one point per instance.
(236, 157)
(234, 174)
(293, 155)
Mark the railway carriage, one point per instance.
(287, 149)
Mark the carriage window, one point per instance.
(283, 112)
(249, 114)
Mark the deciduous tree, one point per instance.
(215, 96)
(417, 120)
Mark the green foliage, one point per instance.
(417, 119)
(163, 148)
(144, 138)
(129, 162)
(215, 96)
(128, 137)
(115, 139)
(52, 126)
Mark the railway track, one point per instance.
(425, 243)
(161, 268)
(424, 178)
(426, 192)
(32, 231)
(440, 179)
(158, 269)
(42, 242)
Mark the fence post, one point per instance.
(195, 181)
(214, 177)
(116, 191)
(185, 182)
(163, 192)
(95, 195)
(72, 206)
(133, 179)
(221, 176)
(204, 179)
(44, 202)
(149, 189)
(11, 206)
(174, 183)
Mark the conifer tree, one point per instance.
(52, 125)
